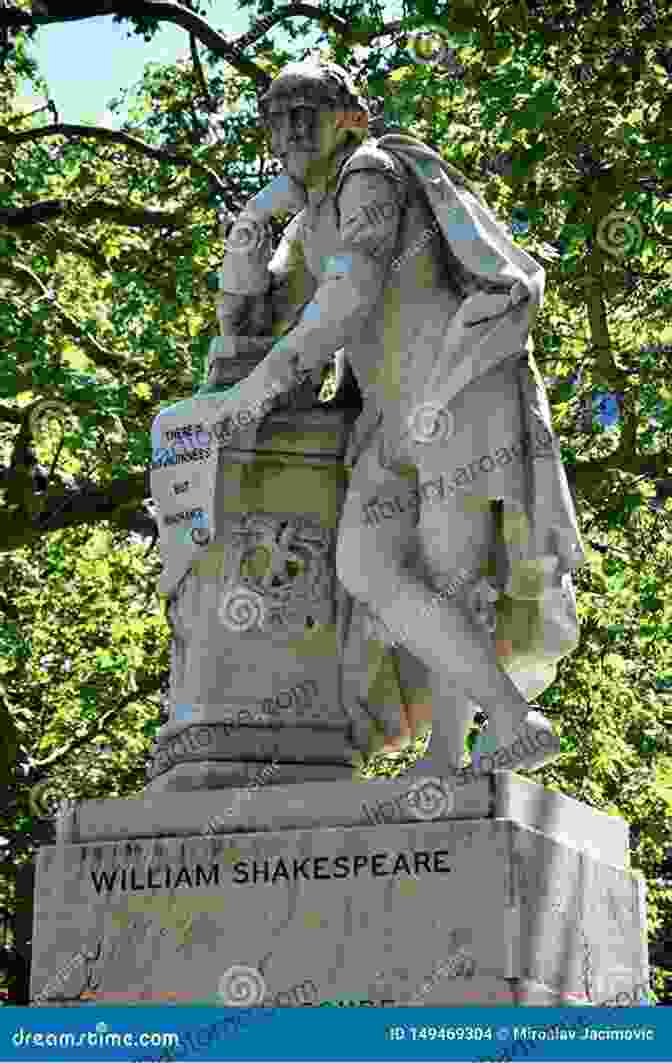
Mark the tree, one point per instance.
(107, 245)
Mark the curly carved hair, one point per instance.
(317, 81)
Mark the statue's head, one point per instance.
(311, 110)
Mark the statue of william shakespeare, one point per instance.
(458, 533)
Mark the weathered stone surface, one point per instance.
(465, 907)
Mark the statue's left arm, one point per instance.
(369, 205)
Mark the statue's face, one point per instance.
(303, 135)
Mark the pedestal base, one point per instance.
(501, 893)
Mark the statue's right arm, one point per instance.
(291, 285)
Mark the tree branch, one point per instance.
(648, 466)
(198, 67)
(74, 245)
(114, 136)
(104, 357)
(48, 209)
(39, 766)
(164, 10)
(88, 505)
(202, 31)
(329, 21)
(11, 414)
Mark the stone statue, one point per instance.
(458, 535)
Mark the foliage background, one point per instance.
(108, 243)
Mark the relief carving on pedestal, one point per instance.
(281, 573)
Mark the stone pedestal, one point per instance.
(497, 892)
(256, 660)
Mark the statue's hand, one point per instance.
(482, 306)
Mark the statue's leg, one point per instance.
(378, 534)
(452, 714)
(422, 688)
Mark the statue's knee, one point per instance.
(360, 571)
(350, 567)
